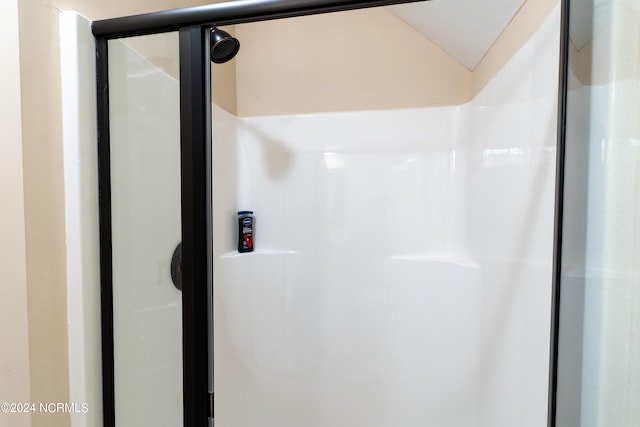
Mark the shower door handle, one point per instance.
(176, 267)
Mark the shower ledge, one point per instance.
(236, 254)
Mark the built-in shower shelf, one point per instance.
(236, 254)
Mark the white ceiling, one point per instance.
(464, 28)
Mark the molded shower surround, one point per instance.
(402, 271)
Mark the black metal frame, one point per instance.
(228, 13)
(559, 213)
(104, 201)
(197, 259)
(193, 25)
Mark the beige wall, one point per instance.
(44, 211)
(357, 60)
(162, 51)
(14, 327)
(94, 10)
(344, 61)
(223, 81)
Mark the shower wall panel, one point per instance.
(359, 305)
(402, 267)
(512, 145)
(511, 214)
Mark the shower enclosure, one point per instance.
(373, 296)
(408, 220)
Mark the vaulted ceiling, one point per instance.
(466, 29)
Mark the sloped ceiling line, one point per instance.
(465, 29)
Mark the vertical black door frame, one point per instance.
(196, 208)
(104, 209)
(195, 149)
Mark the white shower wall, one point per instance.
(511, 195)
(359, 305)
(402, 271)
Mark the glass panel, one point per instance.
(599, 340)
(400, 268)
(146, 228)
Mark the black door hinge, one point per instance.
(211, 406)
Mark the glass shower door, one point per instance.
(144, 114)
(598, 345)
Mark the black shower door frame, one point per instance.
(193, 25)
